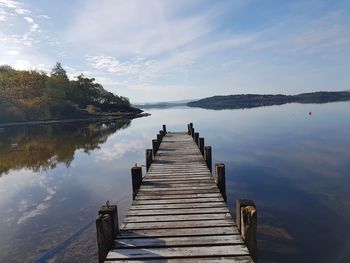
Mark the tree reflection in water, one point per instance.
(41, 147)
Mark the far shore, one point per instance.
(89, 119)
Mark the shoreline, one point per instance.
(90, 119)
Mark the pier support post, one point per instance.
(164, 128)
(192, 132)
(207, 157)
(155, 146)
(136, 177)
(162, 134)
(201, 145)
(149, 158)
(188, 129)
(220, 179)
(246, 219)
(159, 139)
(107, 227)
(196, 136)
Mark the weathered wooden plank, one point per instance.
(166, 163)
(169, 162)
(178, 241)
(167, 187)
(159, 184)
(199, 189)
(177, 175)
(171, 171)
(178, 224)
(178, 211)
(178, 252)
(179, 182)
(177, 192)
(177, 206)
(207, 179)
(178, 201)
(232, 259)
(154, 218)
(205, 231)
(177, 196)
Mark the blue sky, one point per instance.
(162, 50)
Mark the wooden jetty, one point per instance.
(179, 212)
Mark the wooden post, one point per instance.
(246, 219)
(188, 129)
(149, 158)
(162, 134)
(107, 227)
(164, 128)
(196, 136)
(159, 139)
(136, 177)
(220, 179)
(154, 146)
(207, 157)
(192, 132)
(201, 145)
(198, 141)
(191, 125)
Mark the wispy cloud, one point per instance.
(113, 65)
(10, 3)
(137, 27)
(33, 26)
(22, 11)
(21, 36)
(323, 33)
(12, 52)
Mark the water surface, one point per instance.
(53, 178)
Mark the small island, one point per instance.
(34, 96)
(255, 100)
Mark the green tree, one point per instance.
(59, 71)
(33, 95)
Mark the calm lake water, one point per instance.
(53, 179)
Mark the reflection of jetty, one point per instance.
(179, 211)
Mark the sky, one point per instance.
(166, 50)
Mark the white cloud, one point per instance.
(12, 52)
(44, 16)
(33, 26)
(22, 11)
(111, 64)
(137, 27)
(10, 3)
(28, 19)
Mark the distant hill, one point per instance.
(255, 100)
(161, 105)
(35, 96)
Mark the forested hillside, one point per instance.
(35, 95)
(256, 100)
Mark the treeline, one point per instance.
(256, 100)
(35, 95)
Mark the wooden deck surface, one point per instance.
(178, 214)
